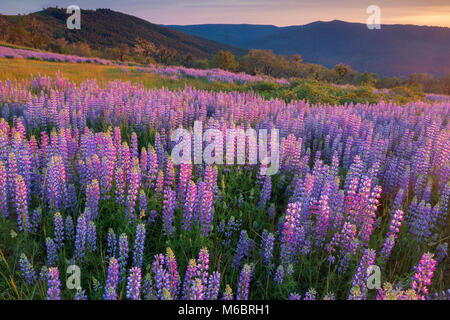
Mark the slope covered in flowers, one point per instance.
(86, 179)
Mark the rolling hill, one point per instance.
(107, 28)
(393, 50)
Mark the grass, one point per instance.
(78, 72)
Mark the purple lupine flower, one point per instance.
(185, 178)
(279, 275)
(197, 290)
(3, 191)
(119, 180)
(134, 284)
(189, 275)
(53, 284)
(142, 204)
(169, 203)
(174, 278)
(36, 219)
(134, 145)
(111, 246)
(91, 237)
(112, 280)
(242, 250)
(58, 230)
(290, 232)
(21, 202)
(394, 229)
(51, 252)
(133, 190)
(159, 185)
(56, 187)
(213, 286)
(123, 252)
(70, 231)
(244, 282)
(424, 272)
(228, 294)
(189, 204)
(161, 277)
(265, 192)
(267, 243)
(27, 269)
(80, 295)
(203, 265)
(441, 252)
(153, 214)
(170, 174)
(206, 210)
(80, 238)
(93, 197)
(310, 295)
(139, 245)
(359, 289)
(295, 296)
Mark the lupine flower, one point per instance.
(213, 286)
(59, 230)
(359, 289)
(70, 232)
(174, 278)
(310, 295)
(424, 272)
(295, 296)
(80, 239)
(142, 204)
(119, 179)
(3, 191)
(244, 282)
(36, 219)
(190, 273)
(267, 244)
(91, 237)
(242, 250)
(139, 245)
(168, 210)
(51, 252)
(111, 246)
(123, 252)
(394, 229)
(441, 253)
(279, 275)
(27, 269)
(112, 280)
(133, 190)
(206, 210)
(21, 202)
(203, 265)
(53, 284)
(134, 284)
(228, 294)
(93, 197)
(80, 295)
(265, 192)
(189, 204)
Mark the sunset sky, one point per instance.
(279, 12)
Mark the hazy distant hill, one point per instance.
(107, 28)
(393, 50)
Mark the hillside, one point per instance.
(105, 28)
(393, 50)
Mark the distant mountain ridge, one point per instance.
(392, 50)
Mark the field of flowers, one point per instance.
(86, 179)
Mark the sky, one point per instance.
(276, 12)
